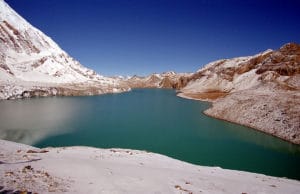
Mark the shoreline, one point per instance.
(183, 95)
(9, 91)
(206, 97)
(210, 97)
(117, 170)
(248, 126)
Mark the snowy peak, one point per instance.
(27, 54)
(21, 36)
(168, 79)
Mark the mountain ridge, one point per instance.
(29, 59)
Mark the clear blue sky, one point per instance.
(126, 37)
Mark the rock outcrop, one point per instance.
(261, 91)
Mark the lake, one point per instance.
(155, 120)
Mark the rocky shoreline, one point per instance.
(258, 113)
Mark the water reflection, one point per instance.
(30, 120)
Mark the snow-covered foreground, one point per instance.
(92, 170)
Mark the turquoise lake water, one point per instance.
(155, 120)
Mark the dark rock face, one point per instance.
(11, 38)
(183, 81)
(166, 83)
(285, 61)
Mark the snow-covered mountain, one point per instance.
(28, 55)
(156, 80)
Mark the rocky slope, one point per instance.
(261, 91)
(25, 168)
(30, 61)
